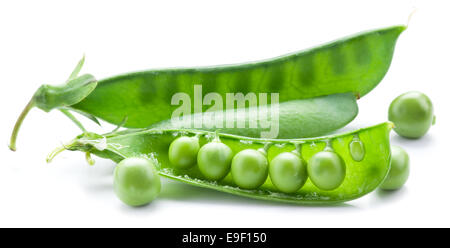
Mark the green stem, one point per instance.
(55, 152)
(73, 119)
(12, 143)
(89, 159)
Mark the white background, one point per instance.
(41, 41)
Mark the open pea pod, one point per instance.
(365, 152)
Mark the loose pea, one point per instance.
(214, 160)
(249, 169)
(326, 170)
(412, 114)
(183, 152)
(288, 172)
(399, 173)
(136, 181)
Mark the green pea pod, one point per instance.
(361, 177)
(353, 64)
(297, 118)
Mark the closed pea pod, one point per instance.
(360, 177)
(354, 64)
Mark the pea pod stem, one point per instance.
(55, 152)
(15, 132)
(31, 104)
(62, 97)
(89, 159)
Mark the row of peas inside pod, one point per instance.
(324, 170)
(250, 168)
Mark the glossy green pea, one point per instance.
(354, 64)
(360, 177)
(136, 181)
(287, 172)
(399, 173)
(326, 170)
(214, 160)
(183, 152)
(412, 114)
(249, 169)
(356, 148)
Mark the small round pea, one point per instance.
(136, 181)
(412, 114)
(214, 160)
(399, 173)
(249, 169)
(326, 169)
(183, 152)
(288, 172)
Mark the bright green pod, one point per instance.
(297, 119)
(354, 64)
(361, 177)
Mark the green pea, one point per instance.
(214, 160)
(183, 152)
(412, 114)
(399, 173)
(326, 170)
(249, 169)
(136, 181)
(288, 172)
(356, 148)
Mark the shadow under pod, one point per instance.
(384, 196)
(172, 190)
